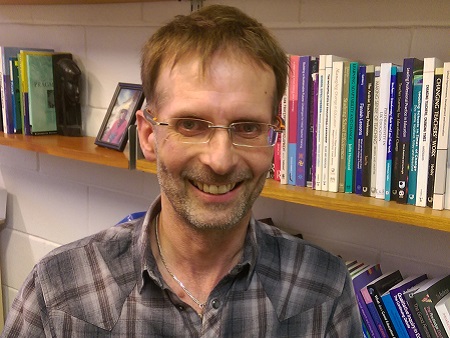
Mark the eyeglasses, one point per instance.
(243, 134)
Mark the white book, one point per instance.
(320, 121)
(335, 125)
(375, 165)
(284, 136)
(327, 117)
(443, 310)
(426, 109)
(442, 146)
(383, 113)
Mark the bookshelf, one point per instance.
(84, 149)
(69, 2)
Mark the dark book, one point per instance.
(15, 95)
(427, 296)
(376, 289)
(396, 137)
(411, 67)
(368, 130)
(416, 315)
(344, 126)
(436, 108)
(311, 145)
(359, 143)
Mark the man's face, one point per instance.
(212, 185)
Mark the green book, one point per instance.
(41, 98)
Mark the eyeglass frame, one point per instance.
(277, 129)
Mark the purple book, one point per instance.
(359, 144)
(314, 111)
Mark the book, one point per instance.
(41, 96)
(351, 127)
(442, 143)
(427, 297)
(414, 138)
(374, 163)
(304, 94)
(359, 142)
(429, 66)
(376, 289)
(320, 122)
(284, 136)
(400, 314)
(335, 129)
(328, 87)
(373, 312)
(411, 67)
(390, 132)
(443, 310)
(344, 126)
(15, 95)
(312, 143)
(368, 119)
(293, 118)
(436, 108)
(360, 280)
(396, 137)
(383, 120)
(416, 316)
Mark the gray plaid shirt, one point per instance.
(108, 285)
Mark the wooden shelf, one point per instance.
(348, 203)
(84, 149)
(69, 2)
(75, 148)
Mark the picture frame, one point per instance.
(121, 113)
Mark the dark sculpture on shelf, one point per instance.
(67, 97)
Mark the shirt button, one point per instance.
(180, 307)
(215, 303)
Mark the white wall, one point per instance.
(53, 201)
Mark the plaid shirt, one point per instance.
(108, 285)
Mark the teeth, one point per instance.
(215, 189)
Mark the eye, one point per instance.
(249, 129)
(191, 127)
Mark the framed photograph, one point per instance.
(121, 113)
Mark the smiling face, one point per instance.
(212, 185)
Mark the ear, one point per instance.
(146, 137)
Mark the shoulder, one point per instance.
(294, 271)
(98, 269)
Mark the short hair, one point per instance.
(203, 34)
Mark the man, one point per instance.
(198, 264)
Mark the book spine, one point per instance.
(436, 105)
(390, 132)
(375, 165)
(277, 152)
(351, 127)
(284, 136)
(312, 143)
(344, 126)
(15, 95)
(415, 134)
(406, 315)
(444, 314)
(367, 317)
(320, 122)
(396, 147)
(374, 313)
(368, 119)
(417, 315)
(429, 66)
(303, 114)
(334, 144)
(327, 122)
(442, 145)
(411, 67)
(293, 119)
(5, 91)
(359, 144)
(394, 315)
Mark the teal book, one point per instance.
(415, 134)
(41, 98)
(15, 95)
(351, 125)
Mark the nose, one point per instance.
(219, 153)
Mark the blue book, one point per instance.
(351, 127)
(304, 84)
(401, 305)
(411, 67)
(415, 134)
(360, 280)
(393, 314)
(359, 143)
(390, 131)
(15, 95)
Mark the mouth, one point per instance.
(214, 189)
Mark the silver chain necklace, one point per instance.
(180, 283)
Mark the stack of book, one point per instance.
(380, 131)
(27, 90)
(393, 306)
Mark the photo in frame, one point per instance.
(121, 113)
